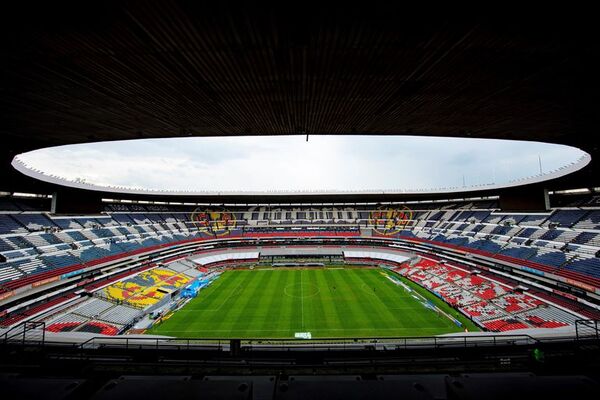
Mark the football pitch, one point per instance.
(327, 302)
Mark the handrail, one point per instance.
(35, 325)
(334, 343)
(416, 341)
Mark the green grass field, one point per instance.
(277, 303)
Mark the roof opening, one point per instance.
(283, 164)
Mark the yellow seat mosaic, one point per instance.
(142, 289)
(119, 291)
(130, 293)
(141, 299)
(153, 292)
(166, 277)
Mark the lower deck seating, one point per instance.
(65, 323)
(515, 302)
(505, 324)
(63, 327)
(456, 296)
(493, 305)
(119, 314)
(481, 287)
(99, 327)
(549, 314)
(539, 322)
(93, 307)
(483, 311)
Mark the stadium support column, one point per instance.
(525, 199)
(235, 346)
(76, 201)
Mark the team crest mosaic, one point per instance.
(214, 222)
(388, 221)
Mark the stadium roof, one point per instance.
(127, 70)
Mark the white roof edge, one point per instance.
(575, 166)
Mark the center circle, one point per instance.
(301, 290)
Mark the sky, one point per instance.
(272, 163)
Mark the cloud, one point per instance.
(362, 163)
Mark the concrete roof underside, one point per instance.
(130, 70)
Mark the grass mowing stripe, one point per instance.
(216, 292)
(248, 309)
(329, 300)
(392, 296)
(294, 311)
(365, 303)
(225, 317)
(220, 292)
(356, 306)
(327, 317)
(347, 314)
(385, 299)
(301, 302)
(275, 305)
(318, 309)
(382, 299)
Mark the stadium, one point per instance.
(458, 291)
